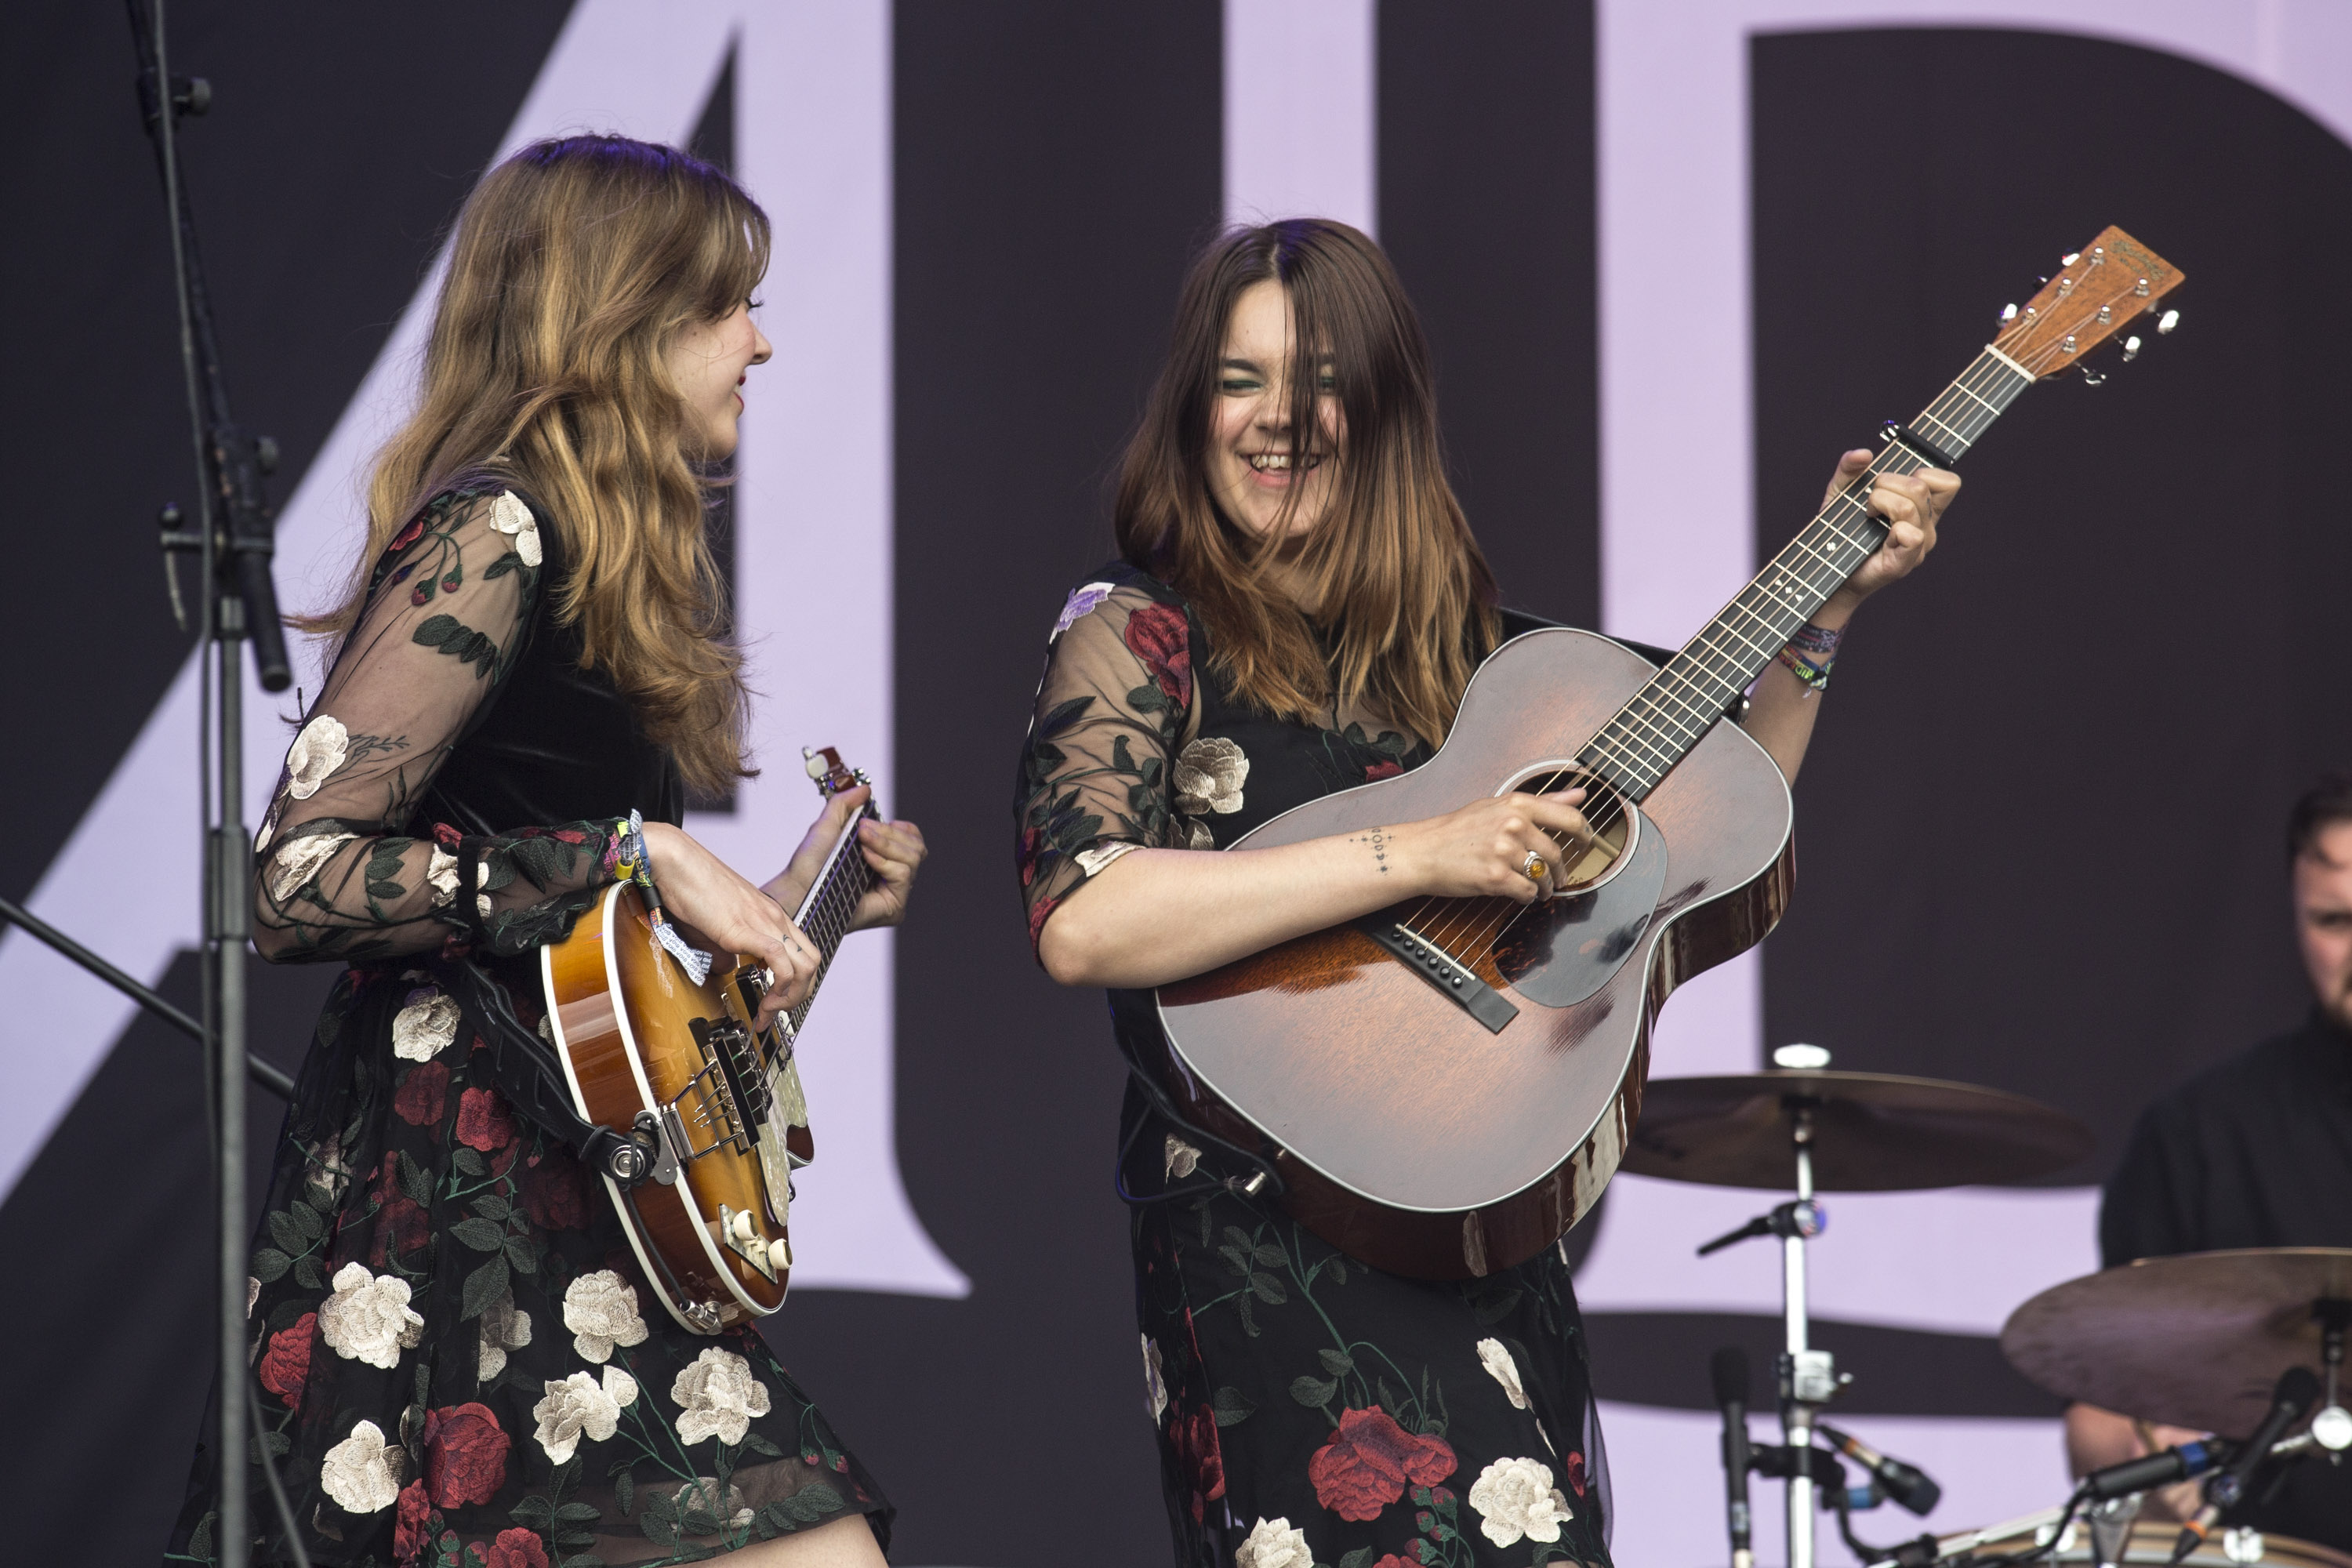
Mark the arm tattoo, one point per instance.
(1378, 840)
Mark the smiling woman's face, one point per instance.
(709, 360)
(1254, 463)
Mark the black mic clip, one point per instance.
(1797, 1217)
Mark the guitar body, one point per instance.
(638, 1038)
(1409, 1132)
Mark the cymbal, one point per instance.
(1872, 1133)
(2197, 1341)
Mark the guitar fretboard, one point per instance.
(1664, 719)
(826, 914)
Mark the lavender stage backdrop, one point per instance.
(1672, 258)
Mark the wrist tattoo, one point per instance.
(1378, 840)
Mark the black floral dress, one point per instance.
(1311, 1410)
(457, 1359)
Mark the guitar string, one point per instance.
(1761, 600)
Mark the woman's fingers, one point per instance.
(1848, 470)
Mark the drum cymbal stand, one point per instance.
(1809, 1378)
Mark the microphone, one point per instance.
(1732, 1388)
(1907, 1484)
(2159, 1468)
(2297, 1387)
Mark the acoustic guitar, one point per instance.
(1443, 1088)
(715, 1105)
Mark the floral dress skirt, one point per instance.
(1314, 1411)
(458, 1360)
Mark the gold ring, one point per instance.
(1534, 867)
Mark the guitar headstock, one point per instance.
(831, 774)
(2100, 289)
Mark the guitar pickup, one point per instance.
(1452, 978)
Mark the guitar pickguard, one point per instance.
(1563, 950)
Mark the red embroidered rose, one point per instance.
(411, 1530)
(407, 536)
(483, 1121)
(1366, 1463)
(1575, 1469)
(423, 1094)
(1382, 770)
(401, 1227)
(464, 1455)
(286, 1364)
(1156, 634)
(1037, 913)
(447, 836)
(1394, 1561)
(555, 1192)
(514, 1548)
(1198, 1455)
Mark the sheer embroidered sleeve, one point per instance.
(342, 869)
(1112, 712)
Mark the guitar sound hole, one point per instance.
(1616, 823)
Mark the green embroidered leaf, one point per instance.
(1231, 1408)
(578, 1513)
(1268, 1289)
(414, 1180)
(575, 1538)
(1493, 1308)
(489, 1206)
(288, 1312)
(286, 1233)
(1235, 1259)
(1338, 1267)
(1390, 1400)
(509, 561)
(468, 1162)
(813, 1502)
(543, 860)
(1239, 1238)
(312, 1224)
(307, 1275)
(1249, 1322)
(482, 1287)
(520, 1255)
(532, 1513)
(1272, 1255)
(698, 1520)
(1147, 699)
(1062, 715)
(386, 891)
(625, 1490)
(759, 1445)
(1339, 1364)
(1361, 1557)
(658, 1520)
(480, 1233)
(1313, 1392)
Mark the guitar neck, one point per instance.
(1640, 746)
(826, 914)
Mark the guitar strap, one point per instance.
(532, 1079)
(1265, 1181)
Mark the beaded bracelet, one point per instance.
(628, 861)
(1821, 644)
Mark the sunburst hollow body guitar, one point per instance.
(716, 1106)
(1444, 1087)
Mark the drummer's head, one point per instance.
(2319, 852)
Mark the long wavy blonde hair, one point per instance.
(573, 265)
(1403, 604)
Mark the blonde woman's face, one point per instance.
(707, 361)
(1254, 461)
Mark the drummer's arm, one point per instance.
(2096, 1438)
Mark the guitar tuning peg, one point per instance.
(2131, 348)
(2170, 319)
(2071, 257)
(2008, 314)
(2093, 377)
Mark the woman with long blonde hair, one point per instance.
(455, 1356)
(1297, 606)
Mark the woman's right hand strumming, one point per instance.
(1154, 916)
(725, 912)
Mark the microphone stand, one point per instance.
(232, 543)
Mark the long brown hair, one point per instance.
(573, 264)
(1400, 600)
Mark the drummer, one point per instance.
(2256, 1152)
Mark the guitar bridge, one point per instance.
(1452, 977)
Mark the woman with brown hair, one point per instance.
(456, 1357)
(1298, 607)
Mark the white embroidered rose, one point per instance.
(1208, 776)
(701, 1495)
(510, 516)
(601, 1310)
(1272, 1543)
(299, 859)
(1155, 1386)
(441, 876)
(1093, 860)
(1497, 1359)
(580, 1404)
(358, 1473)
(368, 1317)
(1514, 1498)
(424, 1029)
(717, 1396)
(315, 755)
(1182, 1158)
(505, 1327)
